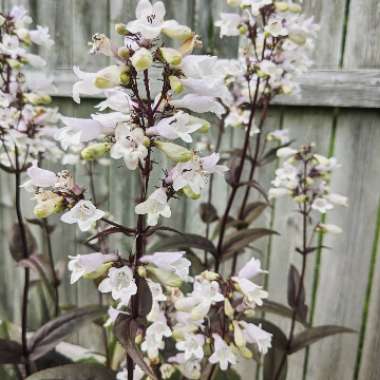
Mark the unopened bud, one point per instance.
(233, 3)
(243, 29)
(189, 193)
(141, 271)
(281, 6)
(238, 335)
(176, 84)
(210, 276)
(164, 277)
(2, 20)
(14, 63)
(176, 153)
(171, 56)
(180, 33)
(228, 309)
(49, 207)
(37, 99)
(245, 352)
(95, 151)
(121, 29)
(142, 59)
(102, 270)
(123, 52)
(125, 78)
(295, 8)
(297, 38)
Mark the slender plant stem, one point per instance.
(25, 251)
(52, 267)
(305, 215)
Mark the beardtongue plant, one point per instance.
(195, 324)
(27, 127)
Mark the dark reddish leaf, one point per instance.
(125, 330)
(296, 293)
(41, 224)
(271, 155)
(54, 331)
(208, 213)
(107, 232)
(253, 210)
(239, 240)
(153, 230)
(10, 352)
(15, 243)
(314, 334)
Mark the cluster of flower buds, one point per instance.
(276, 43)
(212, 321)
(305, 176)
(25, 120)
(55, 193)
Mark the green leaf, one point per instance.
(125, 329)
(10, 352)
(184, 241)
(253, 210)
(53, 332)
(273, 307)
(79, 371)
(314, 334)
(239, 240)
(276, 357)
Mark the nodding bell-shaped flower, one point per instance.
(40, 177)
(192, 346)
(142, 59)
(155, 206)
(84, 213)
(222, 354)
(256, 335)
(90, 266)
(95, 151)
(171, 56)
(48, 203)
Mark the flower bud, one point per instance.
(164, 277)
(228, 309)
(205, 126)
(176, 153)
(210, 276)
(23, 34)
(49, 207)
(123, 52)
(102, 270)
(180, 33)
(142, 59)
(176, 84)
(238, 335)
(171, 56)
(245, 352)
(190, 193)
(95, 151)
(297, 38)
(243, 29)
(2, 20)
(295, 8)
(37, 99)
(249, 313)
(139, 338)
(190, 44)
(281, 6)
(329, 228)
(121, 29)
(108, 77)
(233, 3)
(125, 78)
(14, 63)
(141, 271)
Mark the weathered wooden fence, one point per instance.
(338, 110)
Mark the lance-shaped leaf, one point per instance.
(78, 371)
(184, 241)
(239, 240)
(271, 155)
(125, 330)
(314, 334)
(296, 293)
(16, 247)
(277, 308)
(54, 331)
(254, 184)
(10, 352)
(275, 361)
(208, 213)
(253, 210)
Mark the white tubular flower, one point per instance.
(142, 59)
(199, 104)
(190, 369)
(253, 294)
(154, 337)
(251, 269)
(281, 135)
(256, 335)
(329, 228)
(181, 125)
(277, 193)
(337, 199)
(82, 265)
(41, 36)
(138, 374)
(322, 205)
(84, 213)
(120, 283)
(129, 145)
(229, 24)
(40, 177)
(276, 28)
(170, 261)
(195, 173)
(155, 206)
(116, 101)
(192, 346)
(222, 354)
(95, 83)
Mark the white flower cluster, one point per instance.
(212, 323)
(305, 176)
(25, 121)
(276, 42)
